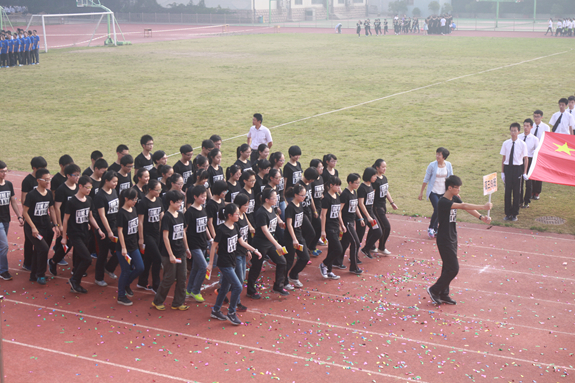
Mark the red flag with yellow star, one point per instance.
(554, 160)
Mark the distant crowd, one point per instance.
(19, 48)
(433, 25)
(11, 9)
(564, 27)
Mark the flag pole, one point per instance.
(489, 211)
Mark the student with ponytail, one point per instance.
(331, 225)
(317, 192)
(293, 237)
(215, 171)
(381, 188)
(262, 168)
(366, 197)
(175, 182)
(329, 170)
(233, 174)
(249, 179)
(164, 173)
(141, 179)
(243, 153)
(350, 214)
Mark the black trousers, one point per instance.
(351, 240)
(308, 230)
(513, 176)
(106, 247)
(316, 224)
(380, 214)
(525, 195)
(372, 236)
(302, 257)
(59, 251)
(152, 260)
(334, 249)
(549, 29)
(41, 247)
(266, 247)
(449, 269)
(82, 256)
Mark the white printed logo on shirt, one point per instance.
(41, 208)
(154, 214)
(244, 232)
(4, 198)
(113, 206)
(218, 177)
(232, 243)
(334, 211)
(124, 186)
(298, 220)
(178, 232)
(370, 197)
(383, 190)
(233, 196)
(182, 207)
(296, 177)
(273, 225)
(352, 206)
(453, 215)
(201, 224)
(307, 201)
(133, 226)
(318, 192)
(281, 185)
(251, 206)
(186, 175)
(82, 216)
(148, 167)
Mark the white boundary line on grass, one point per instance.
(398, 94)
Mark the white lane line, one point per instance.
(353, 330)
(483, 269)
(92, 360)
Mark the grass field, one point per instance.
(79, 100)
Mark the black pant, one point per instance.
(334, 249)
(372, 236)
(449, 269)
(316, 224)
(549, 29)
(153, 260)
(36, 55)
(525, 198)
(308, 230)
(59, 251)
(106, 246)
(82, 256)
(254, 156)
(350, 239)
(302, 257)
(513, 175)
(380, 213)
(40, 250)
(266, 247)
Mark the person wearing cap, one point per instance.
(257, 135)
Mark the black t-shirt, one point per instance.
(167, 204)
(6, 193)
(227, 240)
(233, 191)
(175, 228)
(259, 185)
(296, 214)
(243, 230)
(128, 221)
(29, 183)
(64, 194)
(154, 174)
(306, 204)
(213, 210)
(114, 167)
(368, 195)
(281, 187)
(197, 224)
(292, 174)
(380, 186)
(143, 162)
(79, 217)
(151, 212)
(265, 218)
(317, 190)
(184, 170)
(57, 180)
(38, 206)
(350, 205)
(332, 205)
(88, 172)
(215, 175)
(251, 205)
(95, 188)
(111, 206)
(244, 165)
(141, 194)
(124, 182)
(326, 174)
(447, 219)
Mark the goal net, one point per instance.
(74, 29)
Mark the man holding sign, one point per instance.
(447, 237)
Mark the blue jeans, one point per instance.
(434, 199)
(198, 273)
(4, 226)
(229, 281)
(241, 270)
(130, 271)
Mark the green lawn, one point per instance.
(79, 100)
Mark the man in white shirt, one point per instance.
(571, 106)
(257, 135)
(513, 168)
(532, 143)
(559, 28)
(562, 121)
(442, 21)
(539, 128)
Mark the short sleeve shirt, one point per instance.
(265, 218)
(350, 207)
(213, 210)
(447, 218)
(38, 207)
(142, 162)
(184, 170)
(128, 221)
(227, 240)
(197, 223)
(64, 194)
(79, 217)
(295, 213)
(111, 206)
(259, 136)
(380, 187)
(292, 174)
(332, 205)
(368, 195)
(175, 228)
(6, 194)
(519, 152)
(151, 212)
(124, 182)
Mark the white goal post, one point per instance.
(77, 18)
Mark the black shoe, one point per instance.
(32, 279)
(76, 288)
(234, 319)
(6, 276)
(254, 296)
(129, 291)
(341, 267)
(368, 254)
(218, 315)
(513, 218)
(359, 262)
(434, 298)
(125, 301)
(282, 292)
(52, 267)
(525, 206)
(356, 272)
(507, 218)
(241, 308)
(447, 300)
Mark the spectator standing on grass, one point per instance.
(447, 237)
(562, 121)
(258, 135)
(513, 166)
(367, 27)
(358, 28)
(540, 127)
(443, 22)
(435, 175)
(7, 199)
(532, 143)
(385, 27)
(36, 47)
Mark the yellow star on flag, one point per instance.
(563, 148)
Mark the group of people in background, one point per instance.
(402, 25)
(564, 27)
(12, 9)
(19, 48)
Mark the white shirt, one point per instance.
(539, 129)
(439, 184)
(442, 22)
(259, 136)
(532, 143)
(519, 152)
(550, 24)
(566, 122)
(559, 25)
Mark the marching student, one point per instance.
(293, 238)
(199, 163)
(435, 175)
(309, 208)
(76, 229)
(225, 245)
(514, 165)
(215, 171)
(159, 158)
(200, 177)
(150, 213)
(562, 122)
(121, 151)
(29, 183)
(273, 181)
(381, 188)
(60, 177)
(329, 162)
(217, 140)
(318, 188)
(40, 217)
(447, 208)
(198, 237)
(94, 156)
(263, 152)
(262, 168)
(207, 147)
(175, 182)
(266, 222)
(106, 206)
(144, 159)
(532, 143)
(215, 205)
(349, 214)
(233, 174)
(258, 135)
(184, 165)
(141, 179)
(127, 250)
(243, 153)
(277, 161)
(385, 27)
(165, 172)
(7, 199)
(292, 170)
(249, 180)
(365, 199)
(174, 252)
(125, 174)
(540, 128)
(331, 225)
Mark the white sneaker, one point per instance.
(101, 283)
(111, 275)
(323, 270)
(295, 283)
(431, 233)
(331, 275)
(386, 252)
(289, 287)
